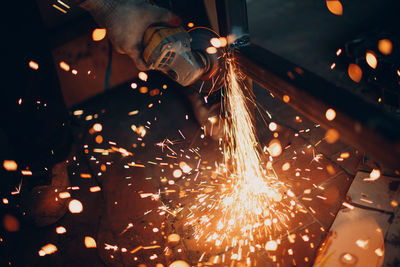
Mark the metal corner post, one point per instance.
(232, 19)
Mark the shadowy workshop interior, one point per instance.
(200, 133)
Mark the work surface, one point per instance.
(140, 202)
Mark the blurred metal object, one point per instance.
(363, 231)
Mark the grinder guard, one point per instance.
(179, 54)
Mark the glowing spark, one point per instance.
(223, 42)
(136, 249)
(331, 136)
(95, 189)
(286, 98)
(78, 112)
(143, 89)
(286, 166)
(215, 42)
(173, 238)
(355, 72)
(47, 249)
(275, 148)
(253, 205)
(374, 175)
(26, 172)
(99, 139)
(90, 242)
(97, 127)
(59, 8)
(179, 264)
(110, 247)
(10, 223)
(10, 165)
(211, 50)
(98, 34)
(63, 65)
(316, 157)
(33, 65)
(134, 112)
(385, 46)
(345, 155)
(379, 252)
(362, 243)
(129, 226)
(61, 230)
(143, 76)
(63, 4)
(177, 173)
(134, 85)
(335, 7)
(212, 119)
(86, 175)
(330, 114)
(271, 245)
(64, 195)
(347, 205)
(185, 167)
(371, 59)
(272, 126)
(75, 206)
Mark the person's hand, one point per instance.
(125, 22)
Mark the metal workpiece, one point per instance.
(360, 123)
(232, 19)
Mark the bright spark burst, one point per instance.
(251, 208)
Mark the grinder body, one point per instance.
(180, 54)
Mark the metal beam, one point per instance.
(359, 123)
